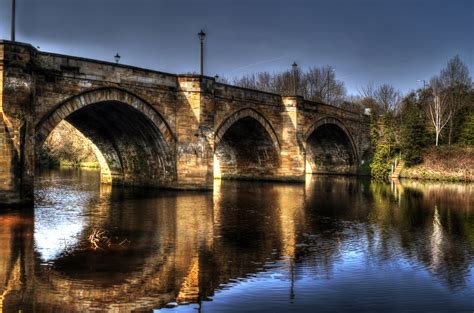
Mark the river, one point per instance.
(336, 243)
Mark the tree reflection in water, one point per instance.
(193, 246)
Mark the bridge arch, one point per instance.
(246, 146)
(243, 113)
(72, 104)
(330, 148)
(131, 139)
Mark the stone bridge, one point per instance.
(164, 130)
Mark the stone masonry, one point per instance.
(164, 130)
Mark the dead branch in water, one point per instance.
(95, 238)
(99, 239)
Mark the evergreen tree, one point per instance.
(467, 131)
(385, 149)
(412, 131)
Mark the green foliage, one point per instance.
(45, 159)
(374, 131)
(380, 166)
(409, 126)
(388, 130)
(412, 132)
(385, 149)
(467, 132)
(364, 164)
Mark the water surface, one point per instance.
(333, 244)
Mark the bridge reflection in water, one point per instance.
(170, 247)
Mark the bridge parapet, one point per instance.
(245, 94)
(88, 69)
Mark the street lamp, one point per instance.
(424, 82)
(13, 21)
(201, 36)
(117, 58)
(330, 70)
(295, 67)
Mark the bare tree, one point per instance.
(263, 81)
(222, 80)
(456, 82)
(438, 109)
(283, 83)
(385, 95)
(317, 84)
(455, 73)
(368, 91)
(388, 97)
(247, 81)
(355, 103)
(320, 84)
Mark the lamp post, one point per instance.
(13, 21)
(295, 67)
(330, 70)
(117, 58)
(424, 82)
(202, 35)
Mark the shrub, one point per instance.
(467, 132)
(385, 150)
(381, 166)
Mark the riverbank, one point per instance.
(444, 163)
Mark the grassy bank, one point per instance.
(444, 163)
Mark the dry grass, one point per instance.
(449, 163)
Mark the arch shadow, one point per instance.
(246, 146)
(105, 94)
(240, 114)
(335, 142)
(134, 143)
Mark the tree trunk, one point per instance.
(437, 135)
(450, 130)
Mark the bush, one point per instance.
(46, 160)
(380, 167)
(374, 130)
(467, 132)
(385, 150)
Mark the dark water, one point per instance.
(335, 244)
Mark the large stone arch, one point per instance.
(62, 110)
(246, 146)
(342, 140)
(247, 112)
(133, 142)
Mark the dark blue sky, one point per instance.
(366, 41)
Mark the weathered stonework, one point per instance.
(157, 129)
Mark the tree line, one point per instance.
(316, 84)
(442, 112)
